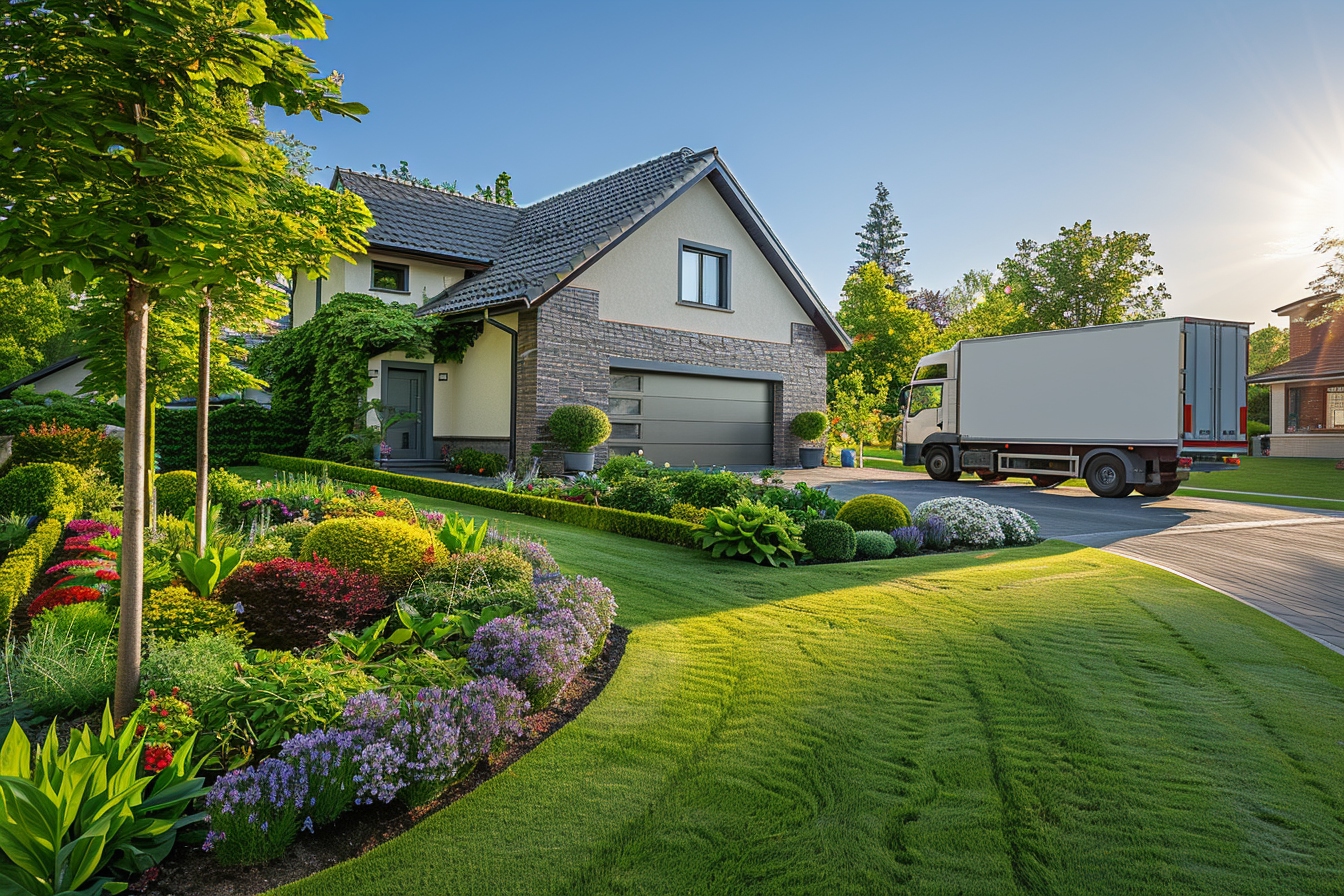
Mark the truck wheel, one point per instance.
(1157, 491)
(991, 477)
(1047, 481)
(1106, 477)
(938, 464)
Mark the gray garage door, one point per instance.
(685, 420)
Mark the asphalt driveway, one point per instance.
(1287, 562)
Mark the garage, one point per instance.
(716, 417)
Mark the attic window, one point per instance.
(391, 277)
(704, 276)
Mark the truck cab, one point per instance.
(928, 404)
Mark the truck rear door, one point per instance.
(1214, 362)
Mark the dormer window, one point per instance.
(389, 277)
(704, 276)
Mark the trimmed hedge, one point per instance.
(830, 541)
(25, 562)
(238, 432)
(394, 551)
(603, 519)
(176, 492)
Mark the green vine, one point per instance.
(452, 339)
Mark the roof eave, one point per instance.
(1320, 296)
(1270, 376)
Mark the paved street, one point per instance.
(1288, 563)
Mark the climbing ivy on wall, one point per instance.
(319, 372)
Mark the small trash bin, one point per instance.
(1264, 446)
(846, 457)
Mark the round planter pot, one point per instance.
(808, 458)
(579, 461)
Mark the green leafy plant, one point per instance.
(623, 466)
(802, 502)
(475, 462)
(201, 666)
(32, 490)
(579, 427)
(461, 535)
(688, 513)
(830, 541)
(880, 513)
(752, 531)
(205, 571)
(68, 663)
(394, 551)
(721, 489)
(810, 425)
(174, 613)
(873, 545)
(641, 496)
(72, 816)
(176, 492)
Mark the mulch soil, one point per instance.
(190, 872)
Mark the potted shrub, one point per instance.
(810, 426)
(579, 428)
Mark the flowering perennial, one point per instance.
(975, 524)
(255, 813)
(937, 534)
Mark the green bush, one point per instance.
(201, 666)
(32, 490)
(810, 425)
(177, 492)
(688, 513)
(722, 489)
(269, 548)
(802, 502)
(82, 448)
(623, 466)
(874, 545)
(879, 513)
(394, 551)
(228, 490)
(99, 492)
(68, 664)
(23, 564)
(476, 463)
(752, 531)
(641, 496)
(830, 541)
(293, 533)
(579, 427)
(175, 613)
(17, 415)
(603, 519)
(491, 566)
(239, 431)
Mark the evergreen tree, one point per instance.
(882, 241)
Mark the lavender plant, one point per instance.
(909, 539)
(937, 533)
(541, 659)
(326, 761)
(255, 813)
(588, 599)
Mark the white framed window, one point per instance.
(704, 277)
(1334, 407)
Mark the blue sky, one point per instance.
(1218, 128)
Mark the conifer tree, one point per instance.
(882, 241)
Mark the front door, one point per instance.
(405, 393)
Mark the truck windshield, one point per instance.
(932, 372)
(925, 396)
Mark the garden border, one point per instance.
(23, 564)
(604, 519)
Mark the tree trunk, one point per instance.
(203, 426)
(136, 311)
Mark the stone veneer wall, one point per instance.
(564, 358)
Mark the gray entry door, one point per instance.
(405, 391)
(685, 420)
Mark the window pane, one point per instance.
(690, 276)
(624, 431)
(625, 382)
(924, 397)
(709, 288)
(389, 277)
(624, 407)
(932, 372)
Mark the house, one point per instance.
(1306, 408)
(657, 293)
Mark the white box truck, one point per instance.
(1128, 407)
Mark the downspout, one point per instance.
(513, 382)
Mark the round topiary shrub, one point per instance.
(176, 491)
(292, 603)
(879, 513)
(31, 490)
(830, 541)
(394, 551)
(870, 545)
(810, 425)
(579, 427)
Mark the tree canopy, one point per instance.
(33, 318)
(1082, 279)
(882, 242)
(889, 336)
(1267, 347)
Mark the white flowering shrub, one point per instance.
(974, 523)
(1018, 528)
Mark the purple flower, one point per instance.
(489, 708)
(253, 812)
(909, 540)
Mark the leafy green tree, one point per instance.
(1082, 279)
(33, 317)
(125, 163)
(889, 337)
(1331, 280)
(1267, 348)
(882, 242)
(973, 288)
(997, 313)
(857, 408)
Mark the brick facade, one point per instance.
(564, 351)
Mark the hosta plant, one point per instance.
(86, 819)
(461, 535)
(752, 531)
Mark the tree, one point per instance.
(995, 312)
(1331, 245)
(1267, 348)
(882, 242)
(889, 337)
(124, 162)
(936, 303)
(1081, 279)
(857, 407)
(969, 291)
(500, 193)
(33, 316)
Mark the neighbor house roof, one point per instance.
(1324, 359)
(533, 251)
(8, 389)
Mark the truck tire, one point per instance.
(1106, 477)
(938, 464)
(1157, 491)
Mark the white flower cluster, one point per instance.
(975, 524)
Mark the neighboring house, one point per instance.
(66, 375)
(658, 294)
(1306, 408)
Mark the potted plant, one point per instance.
(810, 426)
(579, 428)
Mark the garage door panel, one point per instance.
(685, 420)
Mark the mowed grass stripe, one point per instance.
(1048, 720)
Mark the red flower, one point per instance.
(57, 596)
(158, 757)
(107, 575)
(380, 513)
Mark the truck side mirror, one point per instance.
(903, 400)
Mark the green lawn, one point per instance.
(887, 459)
(1044, 720)
(1304, 477)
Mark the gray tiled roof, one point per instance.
(425, 219)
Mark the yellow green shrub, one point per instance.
(176, 613)
(176, 492)
(396, 552)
